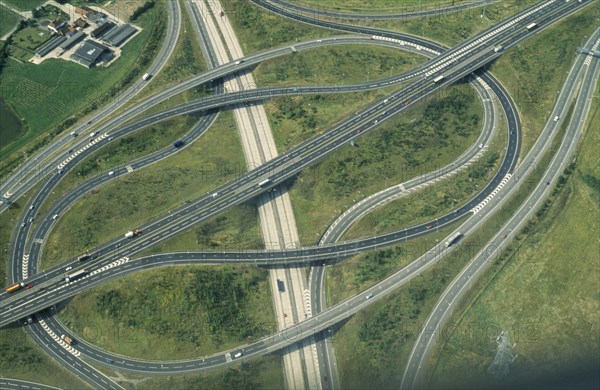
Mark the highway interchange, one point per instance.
(277, 171)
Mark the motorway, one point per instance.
(361, 126)
(583, 74)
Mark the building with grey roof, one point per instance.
(89, 53)
(72, 40)
(102, 29)
(119, 35)
(50, 45)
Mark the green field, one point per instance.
(545, 296)
(25, 42)
(57, 92)
(24, 5)
(8, 20)
(130, 200)
(344, 64)
(175, 313)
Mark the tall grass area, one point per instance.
(545, 294)
(135, 198)
(430, 135)
(52, 96)
(24, 5)
(175, 313)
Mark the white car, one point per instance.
(111, 173)
(556, 118)
(95, 133)
(369, 296)
(237, 355)
(55, 216)
(69, 268)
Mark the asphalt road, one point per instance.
(246, 354)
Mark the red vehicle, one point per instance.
(429, 227)
(29, 286)
(503, 236)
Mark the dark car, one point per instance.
(178, 143)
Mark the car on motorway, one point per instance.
(429, 227)
(23, 224)
(29, 320)
(237, 355)
(179, 143)
(556, 118)
(111, 138)
(503, 236)
(480, 146)
(69, 268)
(29, 286)
(74, 134)
(30, 219)
(55, 216)
(369, 296)
(109, 361)
(89, 122)
(111, 173)
(31, 207)
(93, 134)
(70, 151)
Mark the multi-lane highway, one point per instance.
(453, 64)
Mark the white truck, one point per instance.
(132, 233)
